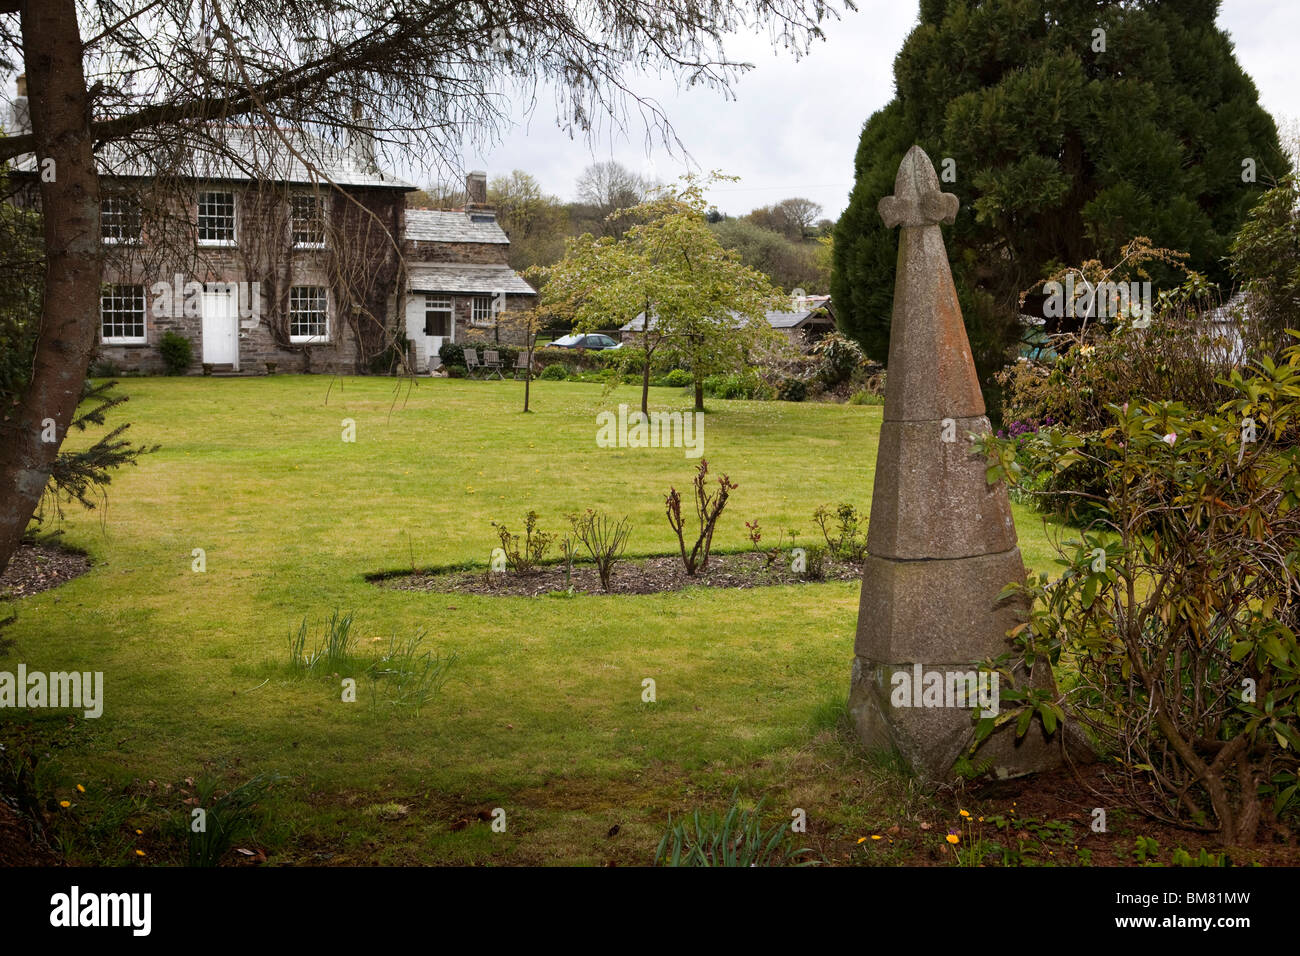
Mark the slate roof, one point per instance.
(255, 153)
(778, 320)
(436, 225)
(465, 278)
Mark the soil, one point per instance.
(40, 566)
(649, 575)
(18, 845)
(1036, 807)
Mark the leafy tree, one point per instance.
(535, 222)
(790, 265)
(1071, 127)
(608, 189)
(800, 214)
(1266, 257)
(700, 301)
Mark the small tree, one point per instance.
(695, 297)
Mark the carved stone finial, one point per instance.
(917, 200)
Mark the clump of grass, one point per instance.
(331, 655)
(405, 676)
(226, 816)
(736, 838)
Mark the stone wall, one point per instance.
(484, 253)
(171, 306)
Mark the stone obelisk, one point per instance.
(941, 543)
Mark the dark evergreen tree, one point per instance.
(1066, 128)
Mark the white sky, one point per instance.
(793, 127)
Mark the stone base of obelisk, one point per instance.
(941, 615)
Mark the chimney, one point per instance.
(21, 120)
(476, 191)
(361, 139)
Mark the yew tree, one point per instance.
(1066, 128)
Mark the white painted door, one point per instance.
(220, 327)
(429, 324)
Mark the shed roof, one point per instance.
(466, 277)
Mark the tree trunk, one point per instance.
(528, 372)
(699, 394)
(645, 388)
(60, 113)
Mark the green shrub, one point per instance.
(866, 397)
(792, 390)
(524, 555)
(176, 352)
(734, 385)
(844, 531)
(840, 356)
(1177, 606)
(554, 373)
(679, 378)
(453, 353)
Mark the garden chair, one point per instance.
(521, 363)
(472, 366)
(492, 363)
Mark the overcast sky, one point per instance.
(792, 128)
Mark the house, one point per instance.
(458, 279)
(809, 321)
(280, 250)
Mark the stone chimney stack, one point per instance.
(21, 120)
(361, 139)
(476, 192)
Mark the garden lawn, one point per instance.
(543, 714)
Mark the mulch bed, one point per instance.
(39, 567)
(650, 575)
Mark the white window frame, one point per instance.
(431, 304)
(125, 206)
(322, 208)
(325, 311)
(474, 318)
(110, 291)
(234, 218)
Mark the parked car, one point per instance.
(594, 342)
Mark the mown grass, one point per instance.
(542, 715)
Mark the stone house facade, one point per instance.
(268, 257)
